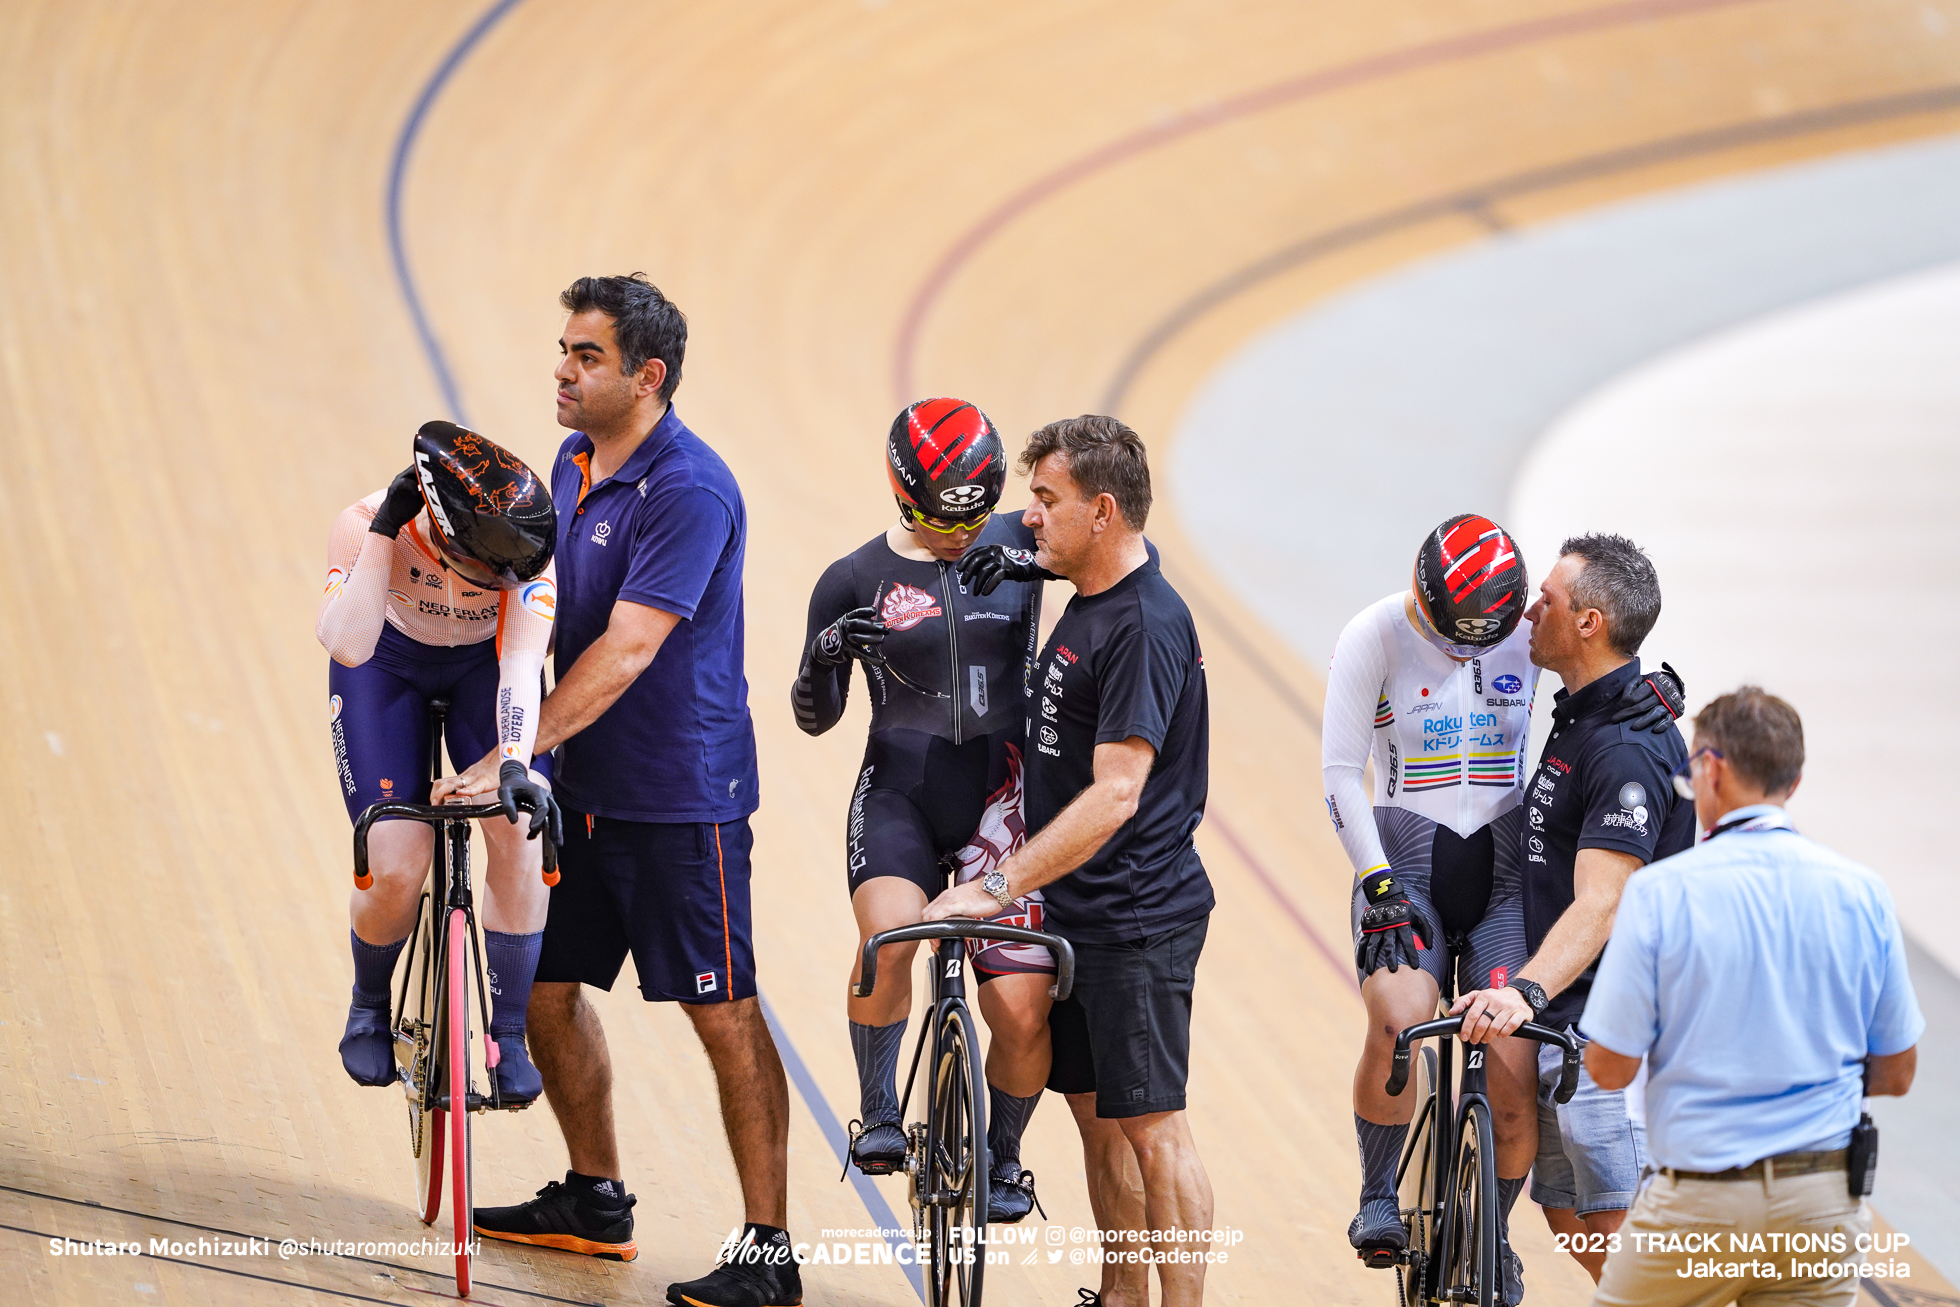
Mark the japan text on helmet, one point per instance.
(1470, 582)
(945, 460)
(488, 507)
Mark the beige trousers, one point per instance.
(1700, 1243)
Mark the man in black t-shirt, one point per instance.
(1600, 807)
(1115, 781)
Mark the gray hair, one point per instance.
(1619, 580)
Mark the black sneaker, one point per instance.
(559, 1217)
(758, 1272)
(1087, 1298)
(878, 1148)
(1011, 1195)
(1377, 1233)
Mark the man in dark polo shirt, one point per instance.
(1117, 760)
(656, 776)
(1600, 807)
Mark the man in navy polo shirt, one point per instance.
(1600, 807)
(656, 775)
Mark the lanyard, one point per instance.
(1761, 821)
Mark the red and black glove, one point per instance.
(1653, 702)
(1388, 935)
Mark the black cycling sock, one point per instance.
(1507, 1197)
(876, 1049)
(512, 962)
(1007, 1117)
(608, 1195)
(374, 969)
(1381, 1149)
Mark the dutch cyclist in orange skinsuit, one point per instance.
(440, 586)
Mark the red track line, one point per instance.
(1344, 966)
(1469, 45)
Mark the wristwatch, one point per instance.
(1534, 994)
(995, 883)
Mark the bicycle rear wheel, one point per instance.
(456, 1059)
(1415, 1185)
(956, 1163)
(1469, 1238)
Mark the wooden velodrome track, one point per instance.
(205, 352)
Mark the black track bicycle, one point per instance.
(946, 1154)
(431, 1017)
(1446, 1182)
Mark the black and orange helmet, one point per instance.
(488, 506)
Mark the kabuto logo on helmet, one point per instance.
(945, 459)
(1477, 626)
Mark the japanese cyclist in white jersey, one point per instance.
(1436, 683)
(440, 586)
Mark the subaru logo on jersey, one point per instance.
(1507, 684)
(1048, 736)
(962, 497)
(976, 689)
(704, 982)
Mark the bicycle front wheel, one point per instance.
(1469, 1238)
(1415, 1185)
(417, 1019)
(956, 1163)
(457, 1062)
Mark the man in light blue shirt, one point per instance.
(1763, 977)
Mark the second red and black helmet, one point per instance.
(1470, 581)
(945, 460)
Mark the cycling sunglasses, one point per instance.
(1683, 776)
(934, 523)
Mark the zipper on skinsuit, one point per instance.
(952, 649)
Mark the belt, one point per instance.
(1783, 1164)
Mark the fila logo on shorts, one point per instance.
(704, 982)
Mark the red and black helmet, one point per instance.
(488, 506)
(946, 460)
(1470, 581)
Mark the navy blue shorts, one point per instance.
(379, 715)
(674, 895)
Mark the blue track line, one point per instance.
(397, 171)
(874, 1202)
(813, 1097)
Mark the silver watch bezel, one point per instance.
(995, 883)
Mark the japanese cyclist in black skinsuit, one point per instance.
(942, 610)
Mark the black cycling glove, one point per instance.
(1653, 702)
(519, 794)
(857, 634)
(983, 569)
(1388, 935)
(399, 506)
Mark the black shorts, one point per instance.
(676, 896)
(1125, 1032)
(1467, 894)
(917, 801)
